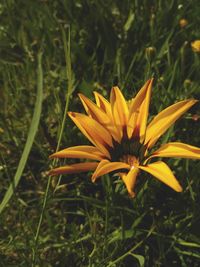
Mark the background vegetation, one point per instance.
(89, 45)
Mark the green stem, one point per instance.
(69, 90)
(130, 251)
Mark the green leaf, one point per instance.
(31, 136)
(140, 258)
(129, 22)
(188, 244)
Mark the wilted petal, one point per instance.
(74, 168)
(106, 166)
(162, 172)
(165, 119)
(139, 110)
(94, 131)
(178, 150)
(130, 180)
(88, 152)
(100, 116)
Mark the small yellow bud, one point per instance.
(183, 23)
(150, 52)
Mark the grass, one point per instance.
(86, 46)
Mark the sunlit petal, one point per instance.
(130, 180)
(92, 109)
(162, 172)
(100, 116)
(139, 110)
(106, 107)
(88, 152)
(119, 109)
(165, 119)
(103, 104)
(178, 150)
(106, 166)
(94, 131)
(74, 168)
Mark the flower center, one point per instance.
(131, 160)
(131, 152)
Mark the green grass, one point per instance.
(86, 46)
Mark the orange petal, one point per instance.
(130, 180)
(92, 109)
(162, 172)
(165, 119)
(178, 150)
(106, 166)
(139, 110)
(88, 152)
(74, 168)
(103, 104)
(119, 109)
(99, 115)
(94, 131)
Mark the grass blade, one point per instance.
(69, 91)
(30, 138)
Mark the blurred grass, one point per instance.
(87, 224)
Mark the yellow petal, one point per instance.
(163, 173)
(119, 109)
(99, 115)
(139, 110)
(165, 119)
(130, 180)
(130, 103)
(94, 131)
(106, 166)
(178, 150)
(103, 104)
(88, 152)
(74, 168)
(92, 109)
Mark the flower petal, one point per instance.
(165, 119)
(162, 172)
(176, 149)
(106, 166)
(130, 180)
(103, 104)
(74, 168)
(88, 152)
(139, 110)
(99, 115)
(119, 109)
(94, 131)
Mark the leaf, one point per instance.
(129, 22)
(140, 258)
(188, 244)
(30, 139)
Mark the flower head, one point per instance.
(121, 139)
(150, 52)
(183, 23)
(196, 46)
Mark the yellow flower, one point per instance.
(183, 23)
(121, 138)
(196, 46)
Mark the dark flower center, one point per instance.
(127, 149)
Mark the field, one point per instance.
(50, 51)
